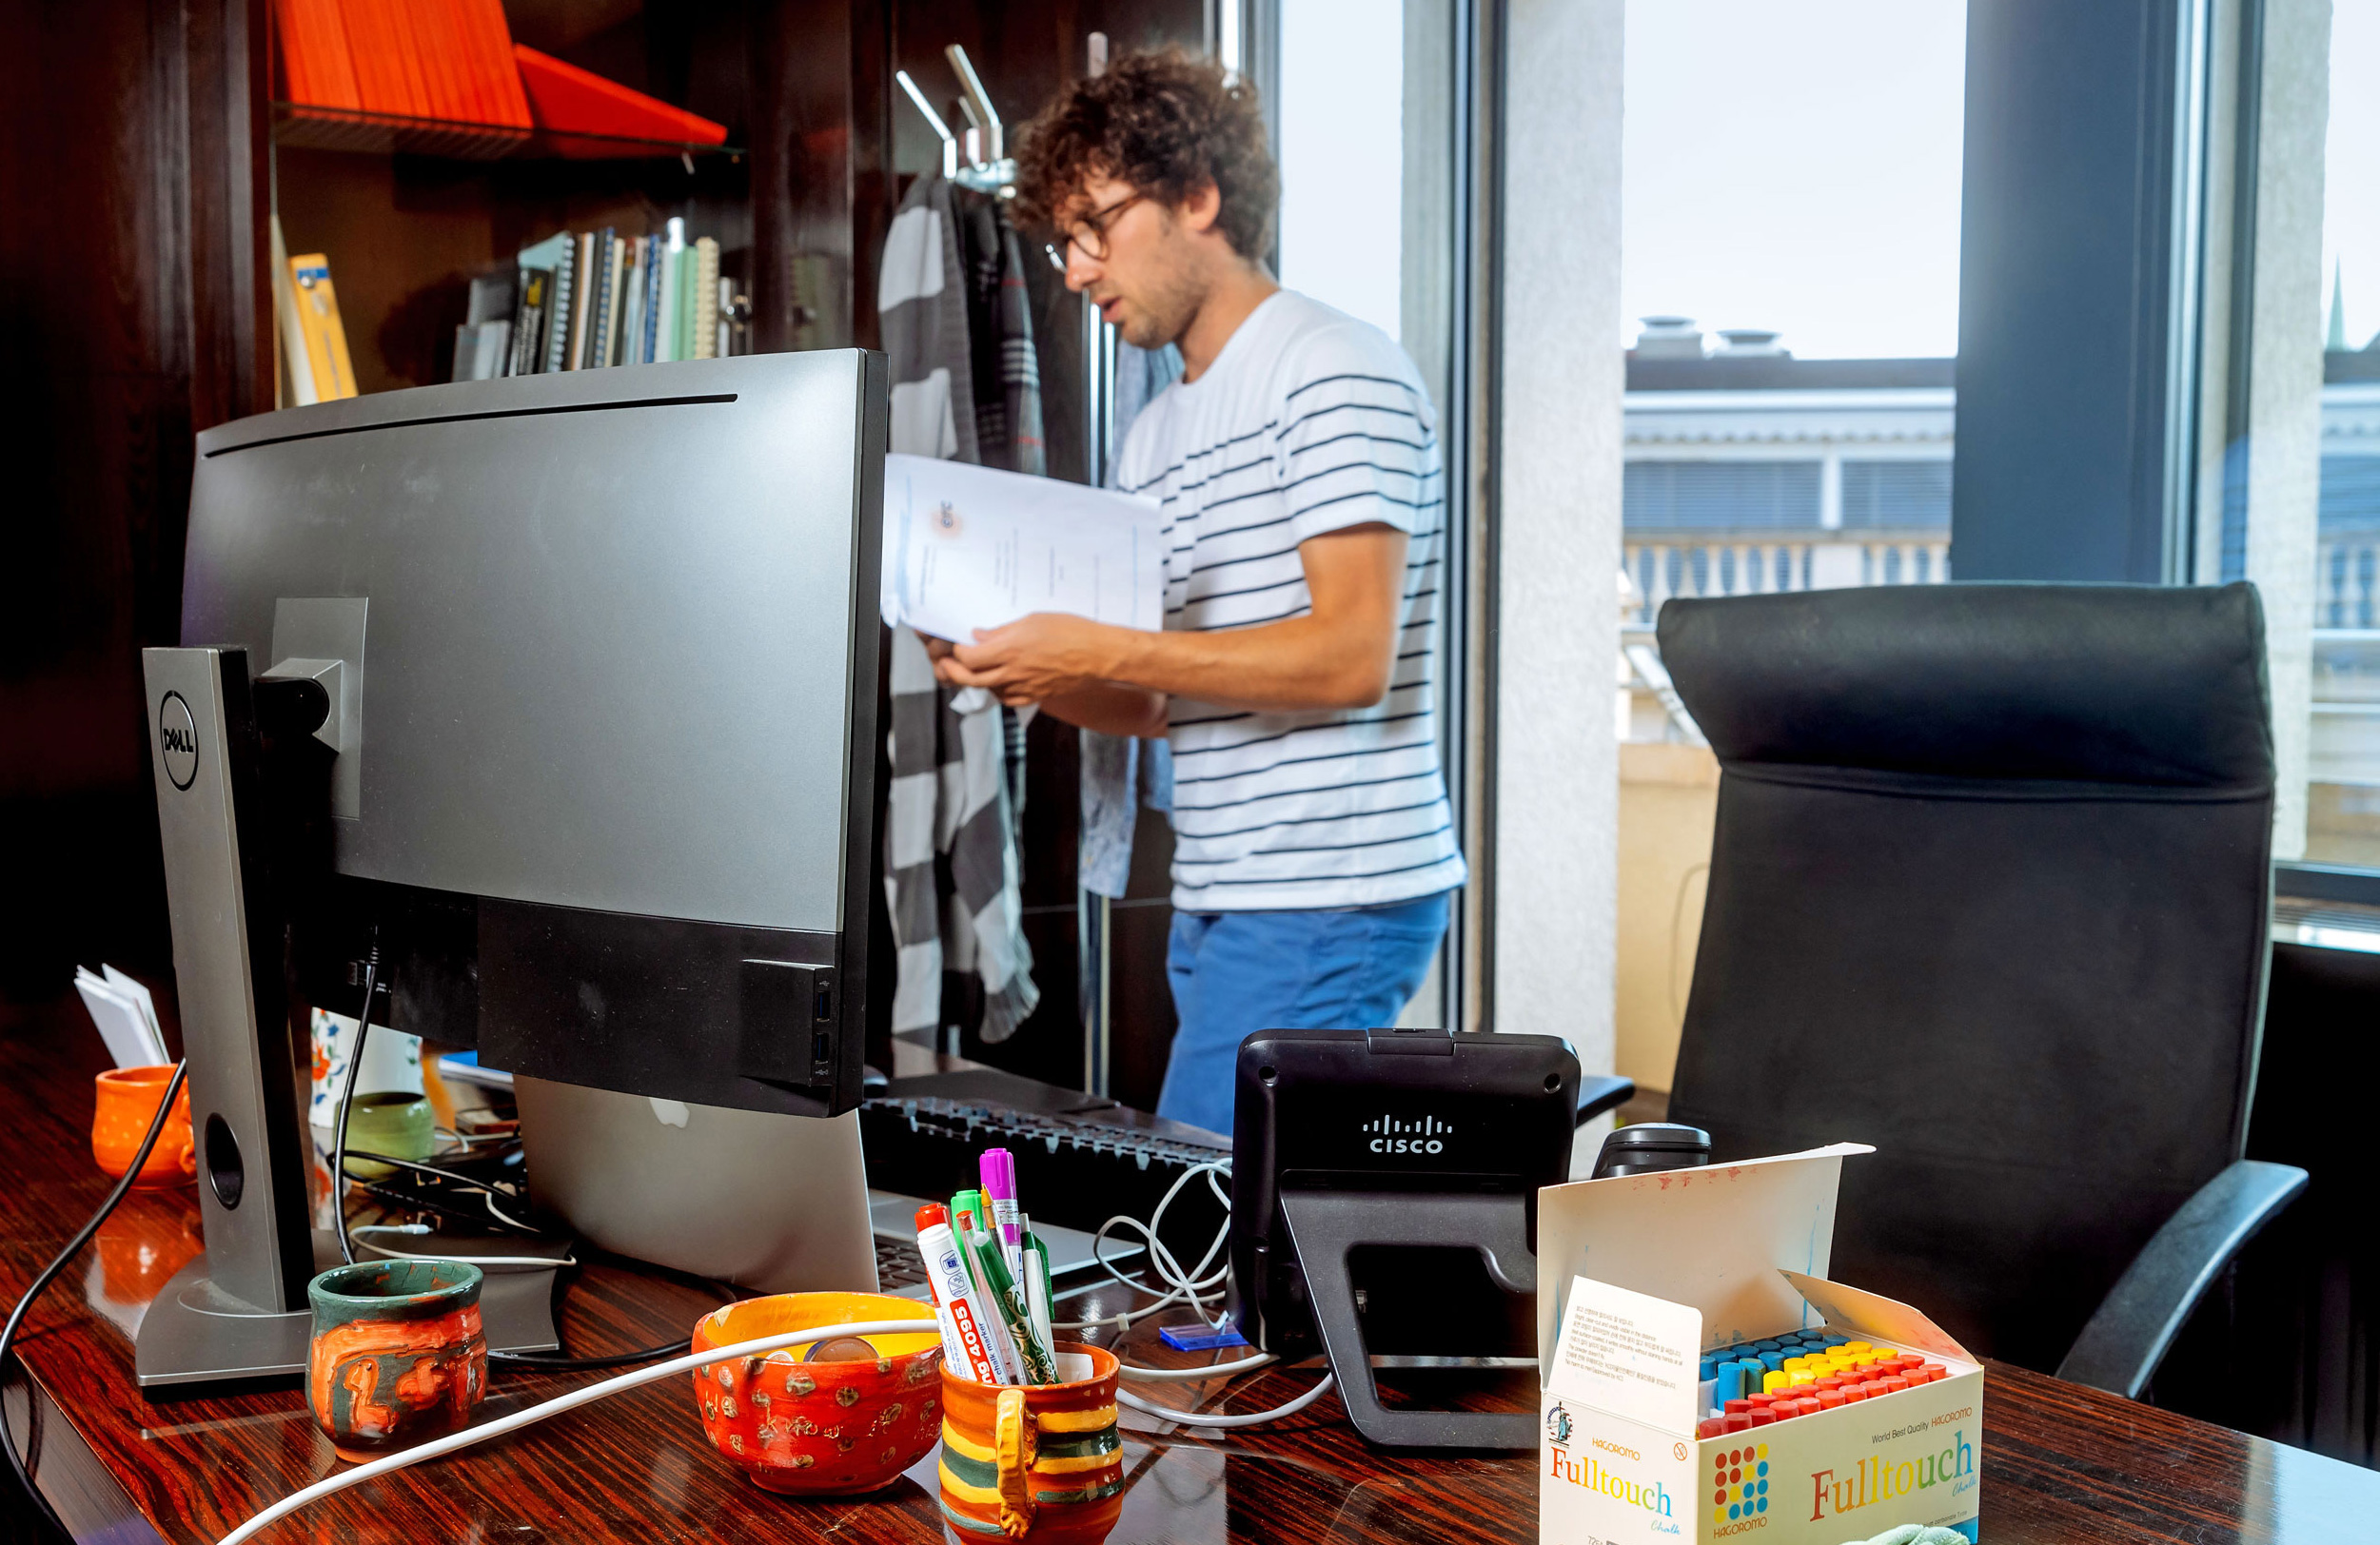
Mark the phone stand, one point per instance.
(1383, 1196)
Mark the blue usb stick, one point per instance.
(1199, 1338)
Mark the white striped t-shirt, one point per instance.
(1308, 422)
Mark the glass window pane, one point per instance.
(1790, 276)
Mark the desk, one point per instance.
(2060, 1463)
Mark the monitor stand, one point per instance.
(196, 1333)
(239, 1311)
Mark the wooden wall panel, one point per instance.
(128, 151)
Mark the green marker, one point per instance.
(1008, 1300)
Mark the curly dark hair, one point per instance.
(1167, 123)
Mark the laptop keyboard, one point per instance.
(898, 1265)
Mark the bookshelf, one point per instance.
(409, 209)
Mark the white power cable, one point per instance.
(537, 1262)
(555, 1407)
(1187, 1376)
(1253, 1419)
(1191, 1287)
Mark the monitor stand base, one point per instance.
(194, 1333)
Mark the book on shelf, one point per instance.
(324, 336)
(703, 331)
(584, 283)
(558, 256)
(528, 323)
(315, 64)
(616, 300)
(483, 341)
(297, 373)
(440, 60)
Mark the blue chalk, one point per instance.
(1709, 1369)
(1775, 1361)
(1730, 1379)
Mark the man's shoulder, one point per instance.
(1328, 357)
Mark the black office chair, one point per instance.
(1988, 889)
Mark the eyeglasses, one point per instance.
(1091, 235)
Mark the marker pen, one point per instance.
(1035, 1364)
(1036, 1258)
(966, 1339)
(998, 1167)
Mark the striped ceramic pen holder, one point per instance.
(1039, 1462)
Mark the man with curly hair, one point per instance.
(1297, 464)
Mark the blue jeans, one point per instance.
(1236, 973)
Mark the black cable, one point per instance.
(50, 1274)
(558, 1363)
(346, 1098)
(546, 1363)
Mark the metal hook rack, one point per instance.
(986, 167)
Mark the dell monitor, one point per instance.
(600, 649)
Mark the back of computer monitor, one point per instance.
(602, 650)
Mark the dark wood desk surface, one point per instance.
(2060, 1463)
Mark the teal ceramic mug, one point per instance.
(398, 1354)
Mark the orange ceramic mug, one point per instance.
(127, 1102)
(1040, 1462)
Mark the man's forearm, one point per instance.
(1111, 708)
(1298, 663)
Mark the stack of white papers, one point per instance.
(968, 547)
(126, 1014)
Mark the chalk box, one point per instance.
(1637, 1277)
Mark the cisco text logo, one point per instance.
(1390, 1135)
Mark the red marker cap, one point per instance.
(930, 1214)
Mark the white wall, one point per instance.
(1561, 377)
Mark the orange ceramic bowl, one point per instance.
(823, 1428)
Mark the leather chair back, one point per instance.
(1988, 889)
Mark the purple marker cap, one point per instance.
(998, 1167)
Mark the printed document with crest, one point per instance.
(968, 547)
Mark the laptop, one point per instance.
(774, 1204)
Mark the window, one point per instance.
(2290, 481)
(1373, 100)
(1790, 204)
